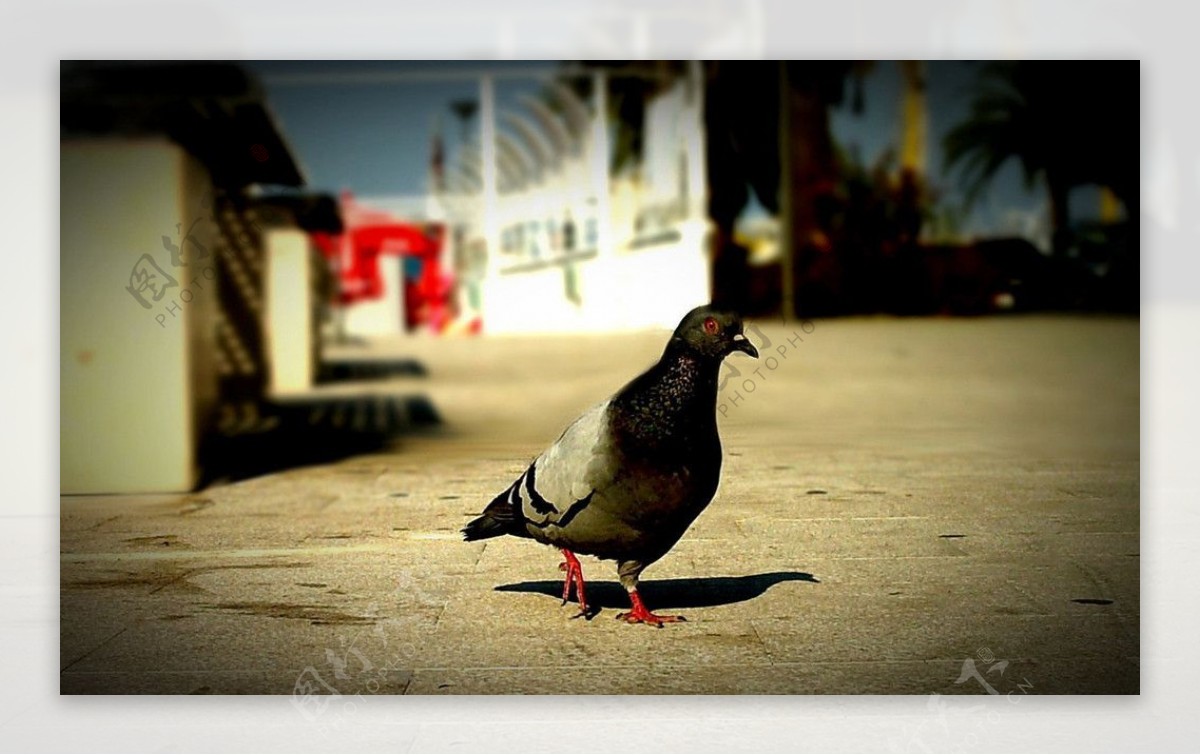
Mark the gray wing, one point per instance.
(557, 487)
(582, 495)
(564, 479)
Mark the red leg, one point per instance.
(568, 567)
(641, 615)
(574, 572)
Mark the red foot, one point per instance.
(641, 615)
(574, 576)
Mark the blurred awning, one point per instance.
(216, 111)
(314, 213)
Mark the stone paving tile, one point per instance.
(948, 637)
(902, 496)
(690, 679)
(222, 683)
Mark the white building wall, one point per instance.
(138, 382)
(289, 328)
(647, 287)
(383, 316)
(640, 257)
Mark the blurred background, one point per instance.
(238, 239)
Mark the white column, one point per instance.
(487, 154)
(600, 163)
(697, 167)
(289, 328)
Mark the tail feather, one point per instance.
(499, 518)
(483, 528)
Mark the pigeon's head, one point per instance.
(713, 333)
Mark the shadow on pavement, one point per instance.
(262, 437)
(335, 370)
(699, 592)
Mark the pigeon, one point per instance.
(627, 478)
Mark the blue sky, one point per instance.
(373, 136)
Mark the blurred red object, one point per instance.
(369, 234)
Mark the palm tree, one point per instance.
(1067, 124)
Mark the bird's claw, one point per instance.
(639, 614)
(650, 619)
(574, 579)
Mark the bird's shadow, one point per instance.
(697, 592)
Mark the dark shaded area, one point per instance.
(256, 438)
(1066, 123)
(1092, 601)
(314, 213)
(216, 111)
(702, 592)
(357, 369)
(857, 238)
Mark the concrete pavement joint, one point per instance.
(118, 633)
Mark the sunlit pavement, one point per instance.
(907, 506)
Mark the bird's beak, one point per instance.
(741, 343)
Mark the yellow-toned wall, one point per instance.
(137, 386)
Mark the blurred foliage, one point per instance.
(855, 229)
(1066, 123)
(877, 206)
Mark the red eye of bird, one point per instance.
(710, 326)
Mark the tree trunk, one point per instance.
(816, 276)
(1060, 220)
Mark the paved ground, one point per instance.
(906, 505)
